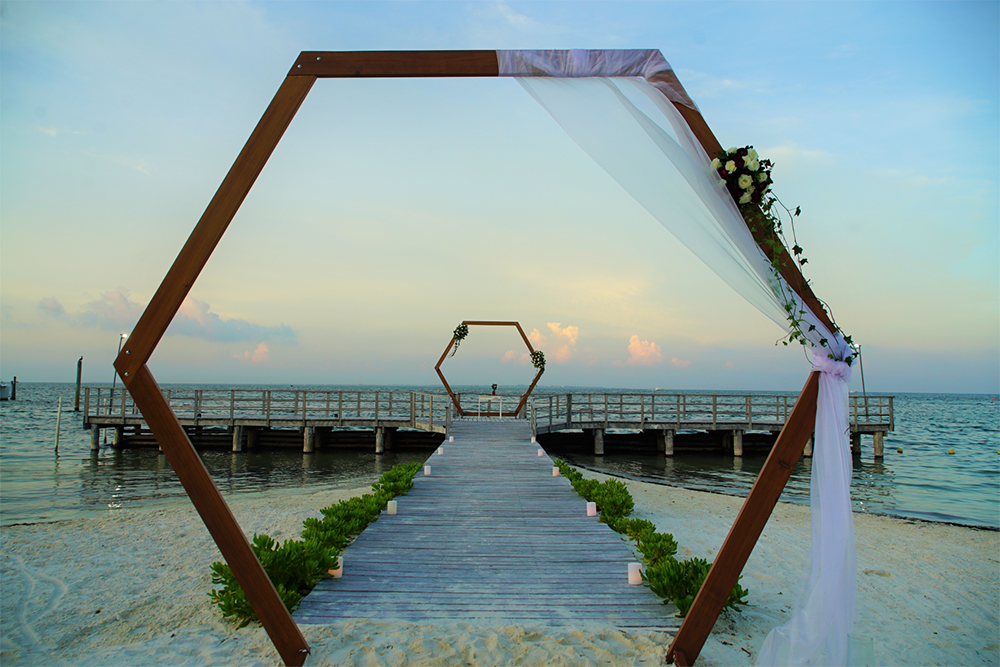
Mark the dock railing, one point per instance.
(278, 407)
(693, 411)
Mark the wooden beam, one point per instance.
(209, 230)
(748, 526)
(381, 64)
(218, 518)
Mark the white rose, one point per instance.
(731, 166)
(716, 163)
(753, 154)
(732, 150)
(745, 199)
(762, 176)
(745, 181)
(753, 165)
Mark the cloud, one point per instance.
(559, 345)
(258, 356)
(519, 358)
(195, 319)
(680, 363)
(643, 352)
(51, 307)
(114, 311)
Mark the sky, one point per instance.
(394, 209)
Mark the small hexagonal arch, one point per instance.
(453, 342)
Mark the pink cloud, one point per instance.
(260, 355)
(519, 358)
(643, 352)
(680, 363)
(559, 345)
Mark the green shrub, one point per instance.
(295, 566)
(655, 547)
(680, 581)
(676, 582)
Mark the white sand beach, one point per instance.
(128, 587)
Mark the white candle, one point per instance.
(532, 439)
(451, 438)
(427, 471)
(339, 571)
(634, 574)
(390, 507)
(541, 452)
(555, 471)
(440, 451)
(591, 509)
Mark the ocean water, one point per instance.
(923, 482)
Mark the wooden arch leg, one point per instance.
(746, 530)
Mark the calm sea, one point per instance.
(922, 482)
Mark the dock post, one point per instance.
(237, 438)
(879, 444)
(808, 450)
(856, 443)
(380, 439)
(79, 373)
(95, 438)
(119, 437)
(252, 437)
(309, 440)
(665, 441)
(737, 443)
(598, 441)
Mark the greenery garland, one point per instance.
(461, 331)
(748, 180)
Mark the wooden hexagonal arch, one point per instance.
(451, 344)
(170, 435)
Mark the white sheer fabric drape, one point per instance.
(637, 136)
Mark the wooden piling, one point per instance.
(309, 440)
(808, 450)
(252, 438)
(879, 437)
(95, 438)
(598, 441)
(665, 441)
(237, 438)
(79, 374)
(379, 439)
(737, 443)
(856, 443)
(119, 438)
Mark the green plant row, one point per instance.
(295, 566)
(675, 581)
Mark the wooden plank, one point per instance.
(403, 64)
(749, 524)
(492, 536)
(212, 225)
(218, 518)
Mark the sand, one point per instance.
(128, 587)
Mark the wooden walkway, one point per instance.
(489, 537)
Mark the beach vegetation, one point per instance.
(295, 566)
(675, 581)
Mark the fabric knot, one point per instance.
(832, 367)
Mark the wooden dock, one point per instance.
(490, 536)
